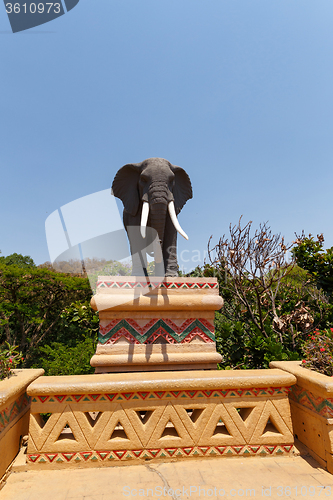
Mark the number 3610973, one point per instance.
(33, 8)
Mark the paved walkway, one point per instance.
(281, 477)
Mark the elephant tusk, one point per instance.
(144, 218)
(174, 219)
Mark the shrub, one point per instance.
(318, 352)
(60, 359)
(10, 358)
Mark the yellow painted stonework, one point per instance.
(120, 419)
(311, 402)
(156, 324)
(14, 413)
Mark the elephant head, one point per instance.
(155, 187)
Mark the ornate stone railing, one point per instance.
(311, 404)
(14, 413)
(127, 418)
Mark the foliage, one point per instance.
(254, 266)
(77, 330)
(244, 347)
(32, 301)
(77, 321)
(270, 305)
(104, 268)
(10, 358)
(238, 340)
(61, 359)
(16, 259)
(111, 268)
(318, 352)
(91, 268)
(310, 255)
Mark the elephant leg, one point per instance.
(159, 268)
(139, 264)
(170, 249)
(138, 251)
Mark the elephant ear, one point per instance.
(182, 190)
(125, 186)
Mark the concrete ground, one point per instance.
(280, 477)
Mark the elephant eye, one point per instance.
(143, 178)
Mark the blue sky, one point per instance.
(237, 92)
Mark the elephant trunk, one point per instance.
(157, 218)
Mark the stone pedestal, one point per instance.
(151, 324)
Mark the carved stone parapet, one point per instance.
(156, 323)
(128, 418)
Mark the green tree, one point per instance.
(311, 256)
(32, 301)
(269, 303)
(16, 259)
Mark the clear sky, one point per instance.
(237, 92)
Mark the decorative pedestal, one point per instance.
(156, 324)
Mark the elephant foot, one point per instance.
(172, 273)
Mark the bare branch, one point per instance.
(255, 267)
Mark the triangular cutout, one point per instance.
(245, 415)
(144, 415)
(194, 413)
(271, 429)
(197, 340)
(93, 417)
(170, 430)
(41, 419)
(221, 429)
(118, 434)
(194, 417)
(244, 412)
(160, 340)
(144, 419)
(66, 435)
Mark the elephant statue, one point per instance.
(153, 193)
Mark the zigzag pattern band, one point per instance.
(156, 328)
(149, 283)
(195, 452)
(10, 413)
(315, 403)
(252, 392)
